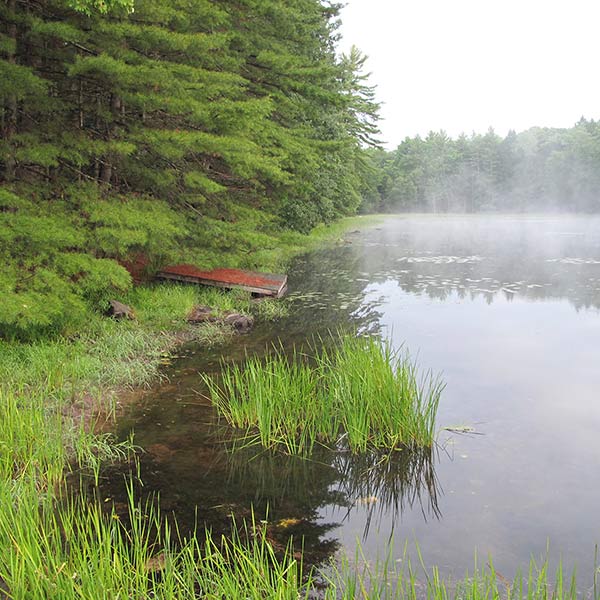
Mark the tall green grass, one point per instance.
(56, 545)
(113, 354)
(357, 393)
(81, 552)
(390, 579)
(31, 441)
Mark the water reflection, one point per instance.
(388, 484)
(506, 309)
(474, 257)
(220, 482)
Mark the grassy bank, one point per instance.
(103, 354)
(53, 392)
(355, 392)
(80, 376)
(62, 390)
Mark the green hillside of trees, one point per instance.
(536, 170)
(184, 130)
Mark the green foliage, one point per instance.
(19, 81)
(359, 394)
(195, 180)
(185, 131)
(59, 255)
(102, 6)
(538, 169)
(8, 45)
(119, 226)
(96, 279)
(220, 98)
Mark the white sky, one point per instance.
(466, 65)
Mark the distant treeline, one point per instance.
(537, 170)
(182, 130)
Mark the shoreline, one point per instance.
(91, 372)
(49, 544)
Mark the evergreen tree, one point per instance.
(178, 129)
(538, 169)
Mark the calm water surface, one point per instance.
(507, 310)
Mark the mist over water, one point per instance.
(541, 169)
(507, 310)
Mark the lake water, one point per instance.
(507, 310)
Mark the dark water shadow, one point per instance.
(232, 485)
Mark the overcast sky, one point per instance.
(466, 65)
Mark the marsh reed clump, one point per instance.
(355, 393)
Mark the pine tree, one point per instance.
(166, 129)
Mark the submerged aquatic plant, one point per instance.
(356, 393)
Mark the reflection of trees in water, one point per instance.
(288, 491)
(234, 488)
(219, 484)
(383, 484)
(276, 476)
(580, 285)
(443, 259)
(332, 294)
(487, 258)
(388, 484)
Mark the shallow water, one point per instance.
(507, 309)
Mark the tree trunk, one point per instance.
(106, 169)
(10, 109)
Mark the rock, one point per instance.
(239, 322)
(160, 452)
(205, 314)
(202, 314)
(118, 310)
